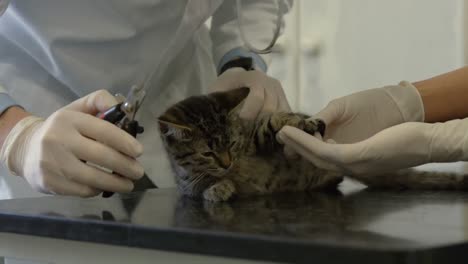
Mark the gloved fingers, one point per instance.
(266, 94)
(331, 113)
(314, 159)
(108, 134)
(283, 104)
(310, 147)
(58, 185)
(318, 136)
(229, 80)
(102, 155)
(290, 153)
(275, 98)
(303, 139)
(93, 103)
(271, 102)
(335, 153)
(96, 178)
(253, 104)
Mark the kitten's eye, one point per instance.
(208, 154)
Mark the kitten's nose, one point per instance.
(224, 159)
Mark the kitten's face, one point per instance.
(202, 136)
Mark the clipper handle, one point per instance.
(115, 115)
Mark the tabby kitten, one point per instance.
(215, 154)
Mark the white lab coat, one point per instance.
(53, 52)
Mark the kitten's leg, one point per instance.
(311, 126)
(268, 126)
(220, 191)
(301, 121)
(414, 179)
(280, 119)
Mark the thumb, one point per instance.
(93, 103)
(253, 104)
(307, 146)
(330, 113)
(289, 153)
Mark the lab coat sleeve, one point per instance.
(5, 100)
(259, 23)
(3, 6)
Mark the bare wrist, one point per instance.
(444, 96)
(8, 120)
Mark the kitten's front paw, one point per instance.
(220, 192)
(314, 125)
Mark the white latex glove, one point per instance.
(49, 153)
(266, 93)
(360, 115)
(398, 147)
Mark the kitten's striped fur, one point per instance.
(215, 154)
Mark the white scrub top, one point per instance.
(53, 52)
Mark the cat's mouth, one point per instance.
(220, 172)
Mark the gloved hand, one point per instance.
(266, 93)
(360, 115)
(398, 147)
(50, 153)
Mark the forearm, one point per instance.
(445, 96)
(9, 119)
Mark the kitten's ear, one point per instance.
(232, 98)
(176, 131)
